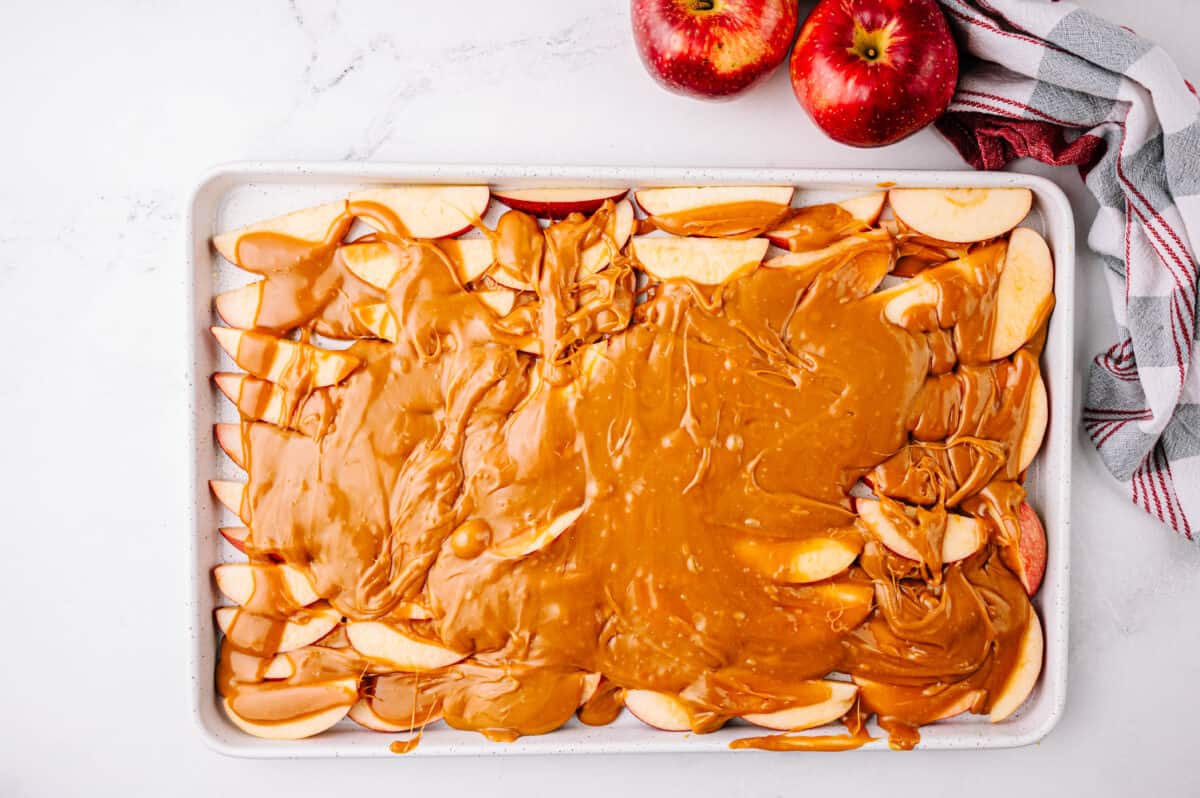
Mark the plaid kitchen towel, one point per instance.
(1054, 82)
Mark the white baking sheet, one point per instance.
(236, 194)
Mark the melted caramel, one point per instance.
(590, 485)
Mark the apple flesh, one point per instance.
(537, 539)
(243, 583)
(236, 536)
(660, 710)
(1037, 418)
(961, 215)
(311, 225)
(1024, 292)
(343, 691)
(271, 358)
(384, 643)
(1027, 556)
(963, 537)
(298, 632)
(840, 700)
(870, 73)
(557, 203)
(229, 438)
(865, 208)
(364, 715)
(232, 495)
(1024, 676)
(239, 307)
(801, 561)
(499, 300)
(617, 233)
(705, 261)
(422, 211)
(712, 49)
(471, 257)
(378, 319)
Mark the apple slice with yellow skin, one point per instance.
(274, 359)
(660, 710)
(239, 307)
(799, 561)
(961, 215)
(698, 199)
(343, 692)
(557, 202)
(313, 225)
(705, 261)
(229, 438)
(1024, 676)
(865, 208)
(1027, 557)
(388, 645)
(231, 495)
(241, 583)
(236, 535)
(841, 698)
(964, 534)
(299, 632)
(537, 539)
(1037, 417)
(471, 256)
(620, 228)
(421, 211)
(1024, 292)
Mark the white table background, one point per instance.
(110, 111)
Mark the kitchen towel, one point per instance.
(1054, 82)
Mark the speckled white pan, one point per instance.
(236, 194)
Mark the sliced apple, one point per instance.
(698, 199)
(388, 645)
(1024, 293)
(243, 629)
(620, 228)
(537, 539)
(1027, 556)
(471, 256)
(840, 248)
(254, 398)
(364, 715)
(591, 683)
(313, 225)
(660, 710)
(557, 203)
(847, 604)
(229, 438)
(961, 215)
(410, 610)
(239, 307)
(500, 300)
(1037, 417)
(236, 535)
(964, 534)
(800, 561)
(706, 261)
(376, 263)
(230, 494)
(343, 691)
(274, 359)
(244, 584)
(377, 317)
(841, 698)
(963, 704)
(249, 668)
(865, 208)
(1024, 675)
(421, 211)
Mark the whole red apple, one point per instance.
(712, 48)
(870, 72)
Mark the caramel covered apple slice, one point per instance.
(291, 712)
(1024, 675)
(538, 538)
(660, 710)
(1024, 292)
(961, 215)
(1037, 418)
(715, 211)
(809, 716)
(800, 561)
(421, 211)
(616, 234)
(310, 226)
(471, 256)
(558, 202)
(265, 637)
(388, 645)
(377, 317)
(259, 587)
(281, 360)
(964, 535)
(705, 261)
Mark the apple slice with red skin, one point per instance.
(800, 561)
(961, 215)
(964, 535)
(299, 632)
(557, 202)
(1027, 557)
(1024, 292)
(241, 583)
(705, 261)
(1024, 676)
(660, 710)
(421, 211)
(698, 200)
(239, 307)
(1037, 418)
(384, 643)
(305, 725)
(229, 438)
(841, 698)
(236, 535)
(271, 358)
(230, 494)
(313, 225)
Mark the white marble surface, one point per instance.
(111, 111)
